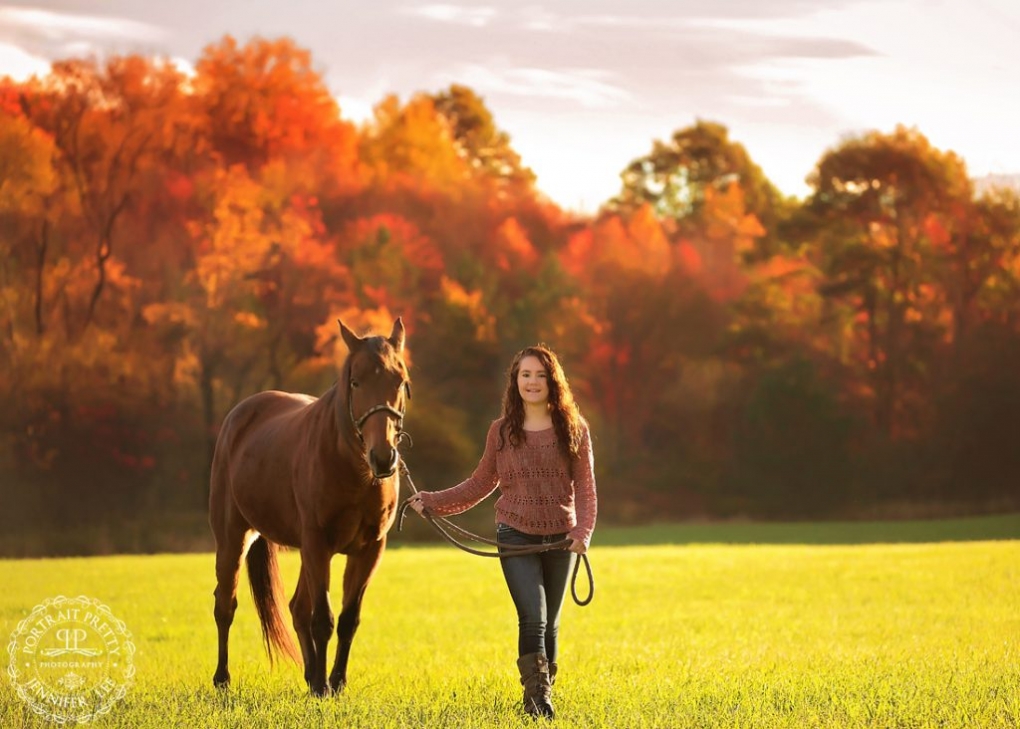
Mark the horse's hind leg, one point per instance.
(301, 612)
(229, 552)
(358, 571)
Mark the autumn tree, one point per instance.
(263, 102)
(172, 243)
(440, 160)
(27, 194)
(968, 453)
(882, 202)
(262, 282)
(479, 142)
(974, 251)
(412, 146)
(256, 272)
(645, 318)
(97, 137)
(111, 128)
(392, 263)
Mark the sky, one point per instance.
(583, 87)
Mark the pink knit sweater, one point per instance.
(537, 493)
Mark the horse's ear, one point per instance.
(351, 339)
(397, 335)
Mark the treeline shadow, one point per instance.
(189, 533)
(966, 529)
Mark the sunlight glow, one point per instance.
(19, 64)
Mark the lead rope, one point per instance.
(444, 526)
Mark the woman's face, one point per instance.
(533, 381)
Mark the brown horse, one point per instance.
(315, 474)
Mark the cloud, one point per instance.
(682, 57)
(775, 40)
(477, 17)
(652, 11)
(53, 35)
(55, 25)
(776, 101)
(585, 87)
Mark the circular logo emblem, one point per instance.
(71, 659)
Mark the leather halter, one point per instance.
(359, 423)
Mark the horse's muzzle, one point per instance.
(380, 470)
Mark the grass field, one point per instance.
(691, 631)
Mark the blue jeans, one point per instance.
(538, 583)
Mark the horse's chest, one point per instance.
(355, 525)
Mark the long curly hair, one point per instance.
(566, 416)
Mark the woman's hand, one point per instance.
(415, 503)
(577, 546)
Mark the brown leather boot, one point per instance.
(535, 678)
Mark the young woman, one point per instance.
(539, 456)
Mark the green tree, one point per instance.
(877, 201)
(678, 176)
(791, 450)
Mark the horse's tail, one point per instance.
(267, 592)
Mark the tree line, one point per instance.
(171, 243)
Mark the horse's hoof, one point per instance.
(221, 681)
(337, 684)
(320, 692)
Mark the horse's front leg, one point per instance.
(360, 567)
(315, 558)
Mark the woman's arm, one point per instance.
(585, 496)
(469, 492)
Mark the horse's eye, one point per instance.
(354, 383)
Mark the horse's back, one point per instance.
(263, 408)
(265, 422)
(254, 451)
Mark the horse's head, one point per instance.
(378, 389)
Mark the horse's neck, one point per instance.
(323, 414)
(338, 440)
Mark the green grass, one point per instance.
(680, 634)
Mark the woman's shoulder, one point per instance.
(583, 434)
(496, 428)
